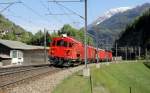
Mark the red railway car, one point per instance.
(109, 55)
(101, 55)
(91, 54)
(66, 51)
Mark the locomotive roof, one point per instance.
(71, 39)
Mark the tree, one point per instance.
(76, 33)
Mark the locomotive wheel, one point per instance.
(60, 62)
(55, 63)
(67, 63)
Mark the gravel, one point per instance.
(46, 84)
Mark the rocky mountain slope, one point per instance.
(110, 25)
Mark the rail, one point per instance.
(18, 74)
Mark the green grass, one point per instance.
(115, 78)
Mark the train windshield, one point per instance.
(70, 44)
(62, 43)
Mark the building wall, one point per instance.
(32, 57)
(4, 50)
(6, 62)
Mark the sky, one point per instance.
(34, 15)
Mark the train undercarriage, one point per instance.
(58, 61)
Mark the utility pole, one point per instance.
(131, 52)
(107, 50)
(85, 31)
(45, 50)
(97, 47)
(126, 52)
(146, 53)
(86, 71)
(139, 52)
(116, 52)
(135, 52)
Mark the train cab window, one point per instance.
(65, 44)
(60, 42)
(70, 44)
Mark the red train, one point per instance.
(66, 51)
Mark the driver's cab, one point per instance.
(61, 47)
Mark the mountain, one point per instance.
(11, 31)
(136, 35)
(109, 14)
(115, 22)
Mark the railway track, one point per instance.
(14, 75)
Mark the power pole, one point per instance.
(126, 52)
(146, 53)
(45, 50)
(116, 51)
(107, 49)
(135, 52)
(139, 52)
(85, 31)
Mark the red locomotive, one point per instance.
(66, 51)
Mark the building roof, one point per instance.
(4, 56)
(19, 45)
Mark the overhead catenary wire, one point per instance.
(50, 13)
(27, 20)
(6, 7)
(9, 4)
(70, 10)
(65, 13)
(65, 1)
(44, 6)
(33, 11)
(68, 15)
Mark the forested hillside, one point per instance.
(11, 31)
(137, 34)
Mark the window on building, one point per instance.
(14, 54)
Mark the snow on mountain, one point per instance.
(110, 13)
